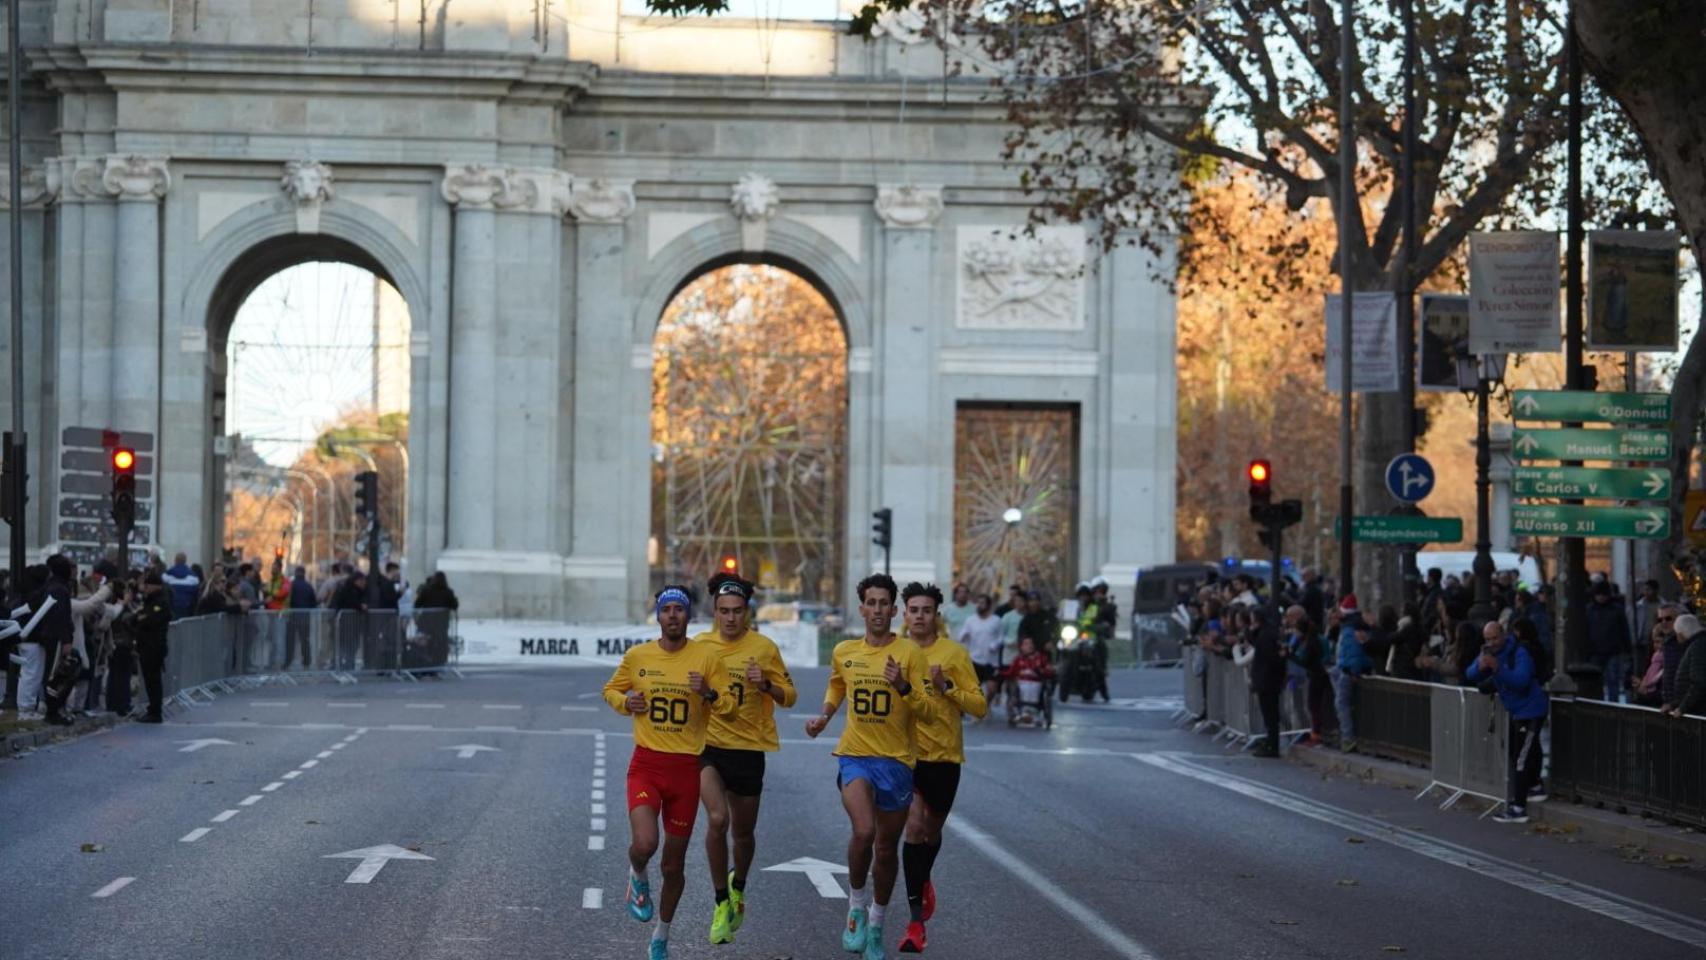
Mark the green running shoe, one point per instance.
(874, 944)
(738, 899)
(853, 938)
(721, 931)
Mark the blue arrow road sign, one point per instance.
(1409, 478)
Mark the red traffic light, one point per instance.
(124, 460)
(1259, 471)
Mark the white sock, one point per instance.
(661, 931)
(636, 874)
(877, 914)
(860, 897)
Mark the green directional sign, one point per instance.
(1586, 406)
(1577, 444)
(1625, 523)
(1583, 483)
(1403, 529)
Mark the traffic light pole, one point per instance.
(16, 472)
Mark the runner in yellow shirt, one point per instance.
(671, 688)
(886, 678)
(941, 751)
(731, 770)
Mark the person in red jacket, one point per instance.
(1026, 676)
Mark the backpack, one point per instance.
(1544, 668)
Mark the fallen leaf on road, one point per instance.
(415, 847)
(312, 823)
(1284, 923)
(92, 847)
(1347, 883)
(1391, 949)
(1355, 840)
(1675, 858)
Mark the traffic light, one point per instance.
(1261, 488)
(124, 488)
(730, 564)
(366, 493)
(882, 531)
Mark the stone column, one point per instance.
(1499, 473)
(37, 192)
(138, 183)
(471, 522)
(606, 489)
(911, 440)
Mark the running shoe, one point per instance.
(659, 950)
(874, 944)
(929, 909)
(738, 899)
(1512, 815)
(853, 938)
(914, 941)
(721, 930)
(640, 901)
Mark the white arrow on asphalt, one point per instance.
(373, 860)
(1654, 483)
(1526, 444)
(1527, 404)
(466, 750)
(820, 872)
(191, 746)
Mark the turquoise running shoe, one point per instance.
(874, 944)
(853, 938)
(659, 951)
(640, 900)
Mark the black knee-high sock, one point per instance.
(915, 863)
(931, 852)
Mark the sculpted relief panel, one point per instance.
(1009, 281)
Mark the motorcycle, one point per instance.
(1081, 655)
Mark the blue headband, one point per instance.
(673, 595)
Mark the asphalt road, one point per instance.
(1113, 835)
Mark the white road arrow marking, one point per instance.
(1527, 404)
(373, 860)
(1654, 483)
(467, 750)
(191, 746)
(820, 872)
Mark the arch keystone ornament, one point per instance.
(908, 206)
(136, 178)
(754, 200)
(309, 184)
(601, 200)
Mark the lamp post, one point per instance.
(1481, 374)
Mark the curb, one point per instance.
(1602, 825)
(21, 742)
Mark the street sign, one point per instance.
(1403, 529)
(1578, 483)
(1694, 517)
(1586, 406)
(1577, 444)
(1628, 523)
(1409, 478)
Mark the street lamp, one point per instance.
(1480, 375)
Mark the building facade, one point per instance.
(537, 180)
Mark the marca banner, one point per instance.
(1444, 333)
(1632, 290)
(516, 642)
(1513, 292)
(1374, 343)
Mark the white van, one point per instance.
(1461, 563)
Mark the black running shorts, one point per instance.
(742, 770)
(985, 671)
(938, 783)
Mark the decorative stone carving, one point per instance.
(76, 179)
(600, 200)
(39, 186)
(136, 178)
(1008, 281)
(904, 26)
(754, 200)
(479, 187)
(908, 206)
(309, 184)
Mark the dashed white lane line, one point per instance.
(351, 738)
(195, 834)
(309, 764)
(292, 775)
(595, 842)
(346, 704)
(250, 800)
(1089, 919)
(598, 781)
(500, 706)
(269, 703)
(592, 898)
(339, 745)
(272, 786)
(597, 824)
(113, 888)
(496, 729)
(423, 706)
(581, 709)
(323, 754)
(598, 808)
(586, 696)
(410, 726)
(598, 794)
(226, 815)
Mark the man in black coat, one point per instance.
(55, 634)
(1267, 678)
(151, 620)
(350, 602)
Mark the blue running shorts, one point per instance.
(891, 779)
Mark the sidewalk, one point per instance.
(1554, 815)
(18, 736)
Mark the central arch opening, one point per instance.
(749, 437)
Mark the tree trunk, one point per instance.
(1646, 54)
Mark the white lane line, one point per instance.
(598, 782)
(496, 729)
(1592, 899)
(423, 706)
(346, 704)
(250, 800)
(598, 808)
(272, 786)
(500, 706)
(351, 738)
(598, 794)
(360, 730)
(1092, 922)
(409, 726)
(195, 834)
(309, 764)
(323, 754)
(597, 824)
(580, 709)
(592, 898)
(292, 775)
(595, 842)
(226, 815)
(339, 745)
(586, 696)
(268, 703)
(113, 888)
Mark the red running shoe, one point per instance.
(929, 907)
(913, 942)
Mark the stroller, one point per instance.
(1030, 689)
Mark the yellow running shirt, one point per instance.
(880, 723)
(753, 724)
(941, 738)
(677, 718)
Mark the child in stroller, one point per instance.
(1030, 682)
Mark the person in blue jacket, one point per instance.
(1511, 668)
(1352, 663)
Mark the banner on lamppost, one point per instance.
(1444, 333)
(1513, 292)
(1374, 343)
(1633, 290)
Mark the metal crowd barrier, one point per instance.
(1195, 671)
(1630, 758)
(1471, 746)
(1393, 718)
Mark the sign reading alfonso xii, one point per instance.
(538, 195)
